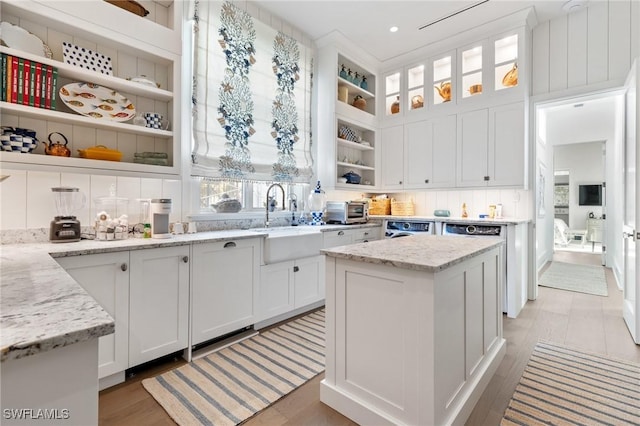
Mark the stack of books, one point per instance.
(28, 82)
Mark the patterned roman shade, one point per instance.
(251, 98)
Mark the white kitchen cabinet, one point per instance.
(308, 280)
(507, 145)
(344, 237)
(287, 286)
(106, 278)
(364, 235)
(473, 148)
(224, 287)
(392, 154)
(430, 153)
(137, 46)
(276, 290)
(491, 147)
(159, 303)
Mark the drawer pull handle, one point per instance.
(296, 268)
(123, 267)
(340, 232)
(185, 259)
(366, 233)
(229, 244)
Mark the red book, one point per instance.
(25, 82)
(47, 101)
(38, 87)
(14, 80)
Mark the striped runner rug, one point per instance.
(231, 385)
(562, 386)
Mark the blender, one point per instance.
(65, 227)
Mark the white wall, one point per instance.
(544, 168)
(590, 47)
(584, 161)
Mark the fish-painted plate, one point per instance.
(97, 101)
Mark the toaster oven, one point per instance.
(347, 212)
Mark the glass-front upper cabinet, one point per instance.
(392, 94)
(415, 87)
(505, 63)
(471, 72)
(442, 70)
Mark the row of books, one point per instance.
(28, 82)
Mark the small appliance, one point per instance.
(160, 210)
(347, 212)
(65, 227)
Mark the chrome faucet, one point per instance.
(266, 222)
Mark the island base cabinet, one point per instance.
(106, 278)
(62, 382)
(224, 287)
(159, 303)
(411, 347)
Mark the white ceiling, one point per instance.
(367, 23)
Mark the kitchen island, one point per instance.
(413, 328)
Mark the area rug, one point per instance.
(582, 278)
(563, 386)
(231, 385)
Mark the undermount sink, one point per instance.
(290, 242)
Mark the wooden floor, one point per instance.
(593, 323)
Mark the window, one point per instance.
(252, 195)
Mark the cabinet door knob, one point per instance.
(366, 233)
(486, 178)
(229, 244)
(400, 182)
(123, 267)
(426, 181)
(185, 259)
(365, 241)
(340, 232)
(296, 268)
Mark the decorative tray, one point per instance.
(97, 101)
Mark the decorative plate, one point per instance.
(85, 58)
(97, 101)
(18, 38)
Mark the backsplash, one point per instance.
(516, 203)
(27, 204)
(27, 201)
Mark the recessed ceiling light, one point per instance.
(393, 29)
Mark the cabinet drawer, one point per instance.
(365, 234)
(336, 238)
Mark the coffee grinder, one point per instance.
(65, 227)
(160, 210)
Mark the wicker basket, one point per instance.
(402, 208)
(379, 206)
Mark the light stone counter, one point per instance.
(430, 253)
(455, 219)
(42, 307)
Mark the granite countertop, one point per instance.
(43, 308)
(431, 253)
(456, 219)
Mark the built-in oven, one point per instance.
(405, 228)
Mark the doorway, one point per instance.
(576, 125)
(579, 204)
